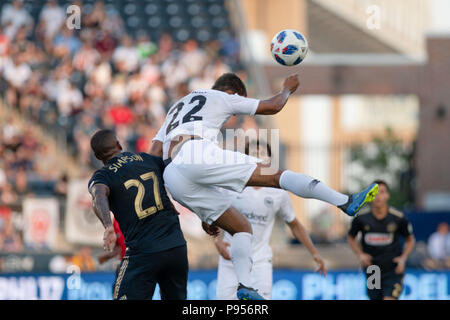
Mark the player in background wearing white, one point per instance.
(197, 169)
(260, 206)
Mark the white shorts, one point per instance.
(201, 171)
(227, 283)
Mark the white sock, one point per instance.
(241, 256)
(307, 187)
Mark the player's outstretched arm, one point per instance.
(301, 235)
(157, 148)
(277, 102)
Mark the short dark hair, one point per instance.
(258, 145)
(379, 181)
(102, 142)
(230, 81)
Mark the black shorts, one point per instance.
(391, 286)
(139, 274)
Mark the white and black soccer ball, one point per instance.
(289, 47)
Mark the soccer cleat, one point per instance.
(357, 200)
(246, 293)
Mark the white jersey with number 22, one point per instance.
(202, 113)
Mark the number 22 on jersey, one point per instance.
(188, 117)
(142, 213)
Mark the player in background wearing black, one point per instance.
(132, 187)
(382, 228)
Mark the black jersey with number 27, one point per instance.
(139, 202)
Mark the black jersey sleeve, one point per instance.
(158, 161)
(405, 227)
(99, 177)
(354, 228)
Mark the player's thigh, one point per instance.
(227, 282)
(262, 278)
(215, 166)
(262, 178)
(392, 286)
(172, 278)
(133, 281)
(207, 202)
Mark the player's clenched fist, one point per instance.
(109, 239)
(291, 83)
(365, 259)
(209, 229)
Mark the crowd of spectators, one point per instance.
(72, 81)
(26, 168)
(77, 80)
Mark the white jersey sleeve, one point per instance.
(161, 134)
(241, 105)
(286, 211)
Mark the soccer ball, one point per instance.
(289, 47)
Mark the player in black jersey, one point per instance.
(382, 228)
(132, 187)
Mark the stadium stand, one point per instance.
(122, 69)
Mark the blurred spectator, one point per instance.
(84, 260)
(193, 58)
(145, 47)
(121, 114)
(10, 239)
(8, 196)
(97, 16)
(439, 243)
(101, 75)
(66, 43)
(69, 99)
(113, 23)
(51, 18)
(125, 56)
(21, 182)
(13, 17)
(17, 71)
(4, 45)
(117, 91)
(104, 42)
(83, 132)
(61, 186)
(85, 59)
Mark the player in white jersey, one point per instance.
(198, 169)
(260, 206)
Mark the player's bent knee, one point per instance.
(233, 222)
(276, 179)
